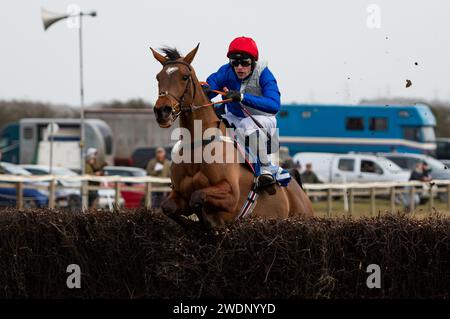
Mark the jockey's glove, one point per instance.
(236, 96)
(206, 89)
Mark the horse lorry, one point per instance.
(30, 141)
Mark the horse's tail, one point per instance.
(299, 202)
(296, 176)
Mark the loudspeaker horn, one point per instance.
(48, 17)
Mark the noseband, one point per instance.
(178, 108)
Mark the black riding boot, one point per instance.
(258, 146)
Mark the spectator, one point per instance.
(308, 176)
(288, 163)
(420, 173)
(99, 165)
(158, 167)
(426, 171)
(92, 168)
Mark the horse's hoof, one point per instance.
(168, 207)
(197, 200)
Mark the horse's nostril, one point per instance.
(167, 109)
(162, 111)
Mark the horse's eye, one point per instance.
(185, 77)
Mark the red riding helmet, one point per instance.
(243, 45)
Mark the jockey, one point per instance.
(250, 84)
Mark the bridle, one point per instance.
(179, 107)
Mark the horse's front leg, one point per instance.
(215, 204)
(174, 206)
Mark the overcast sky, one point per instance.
(320, 51)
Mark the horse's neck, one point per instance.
(206, 115)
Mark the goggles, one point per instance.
(243, 62)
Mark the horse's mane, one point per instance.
(171, 53)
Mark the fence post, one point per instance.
(392, 199)
(19, 195)
(84, 196)
(351, 203)
(412, 192)
(372, 201)
(148, 195)
(431, 200)
(329, 202)
(117, 194)
(52, 195)
(448, 197)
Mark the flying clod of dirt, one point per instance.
(408, 83)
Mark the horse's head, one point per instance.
(175, 84)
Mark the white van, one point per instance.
(342, 168)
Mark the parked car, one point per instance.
(68, 193)
(32, 197)
(446, 163)
(341, 168)
(133, 198)
(142, 155)
(408, 161)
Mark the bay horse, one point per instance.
(215, 192)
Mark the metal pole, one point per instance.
(82, 135)
(51, 148)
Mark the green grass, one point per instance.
(382, 206)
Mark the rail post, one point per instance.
(84, 194)
(148, 195)
(351, 203)
(448, 196)
(412, 192)
(431, 200)
(52, 193)
(117, 194)
(19, 195)
(372, 201)
(392, 199)
(329, 201)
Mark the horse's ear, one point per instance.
(190, 56)
(162, 59)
